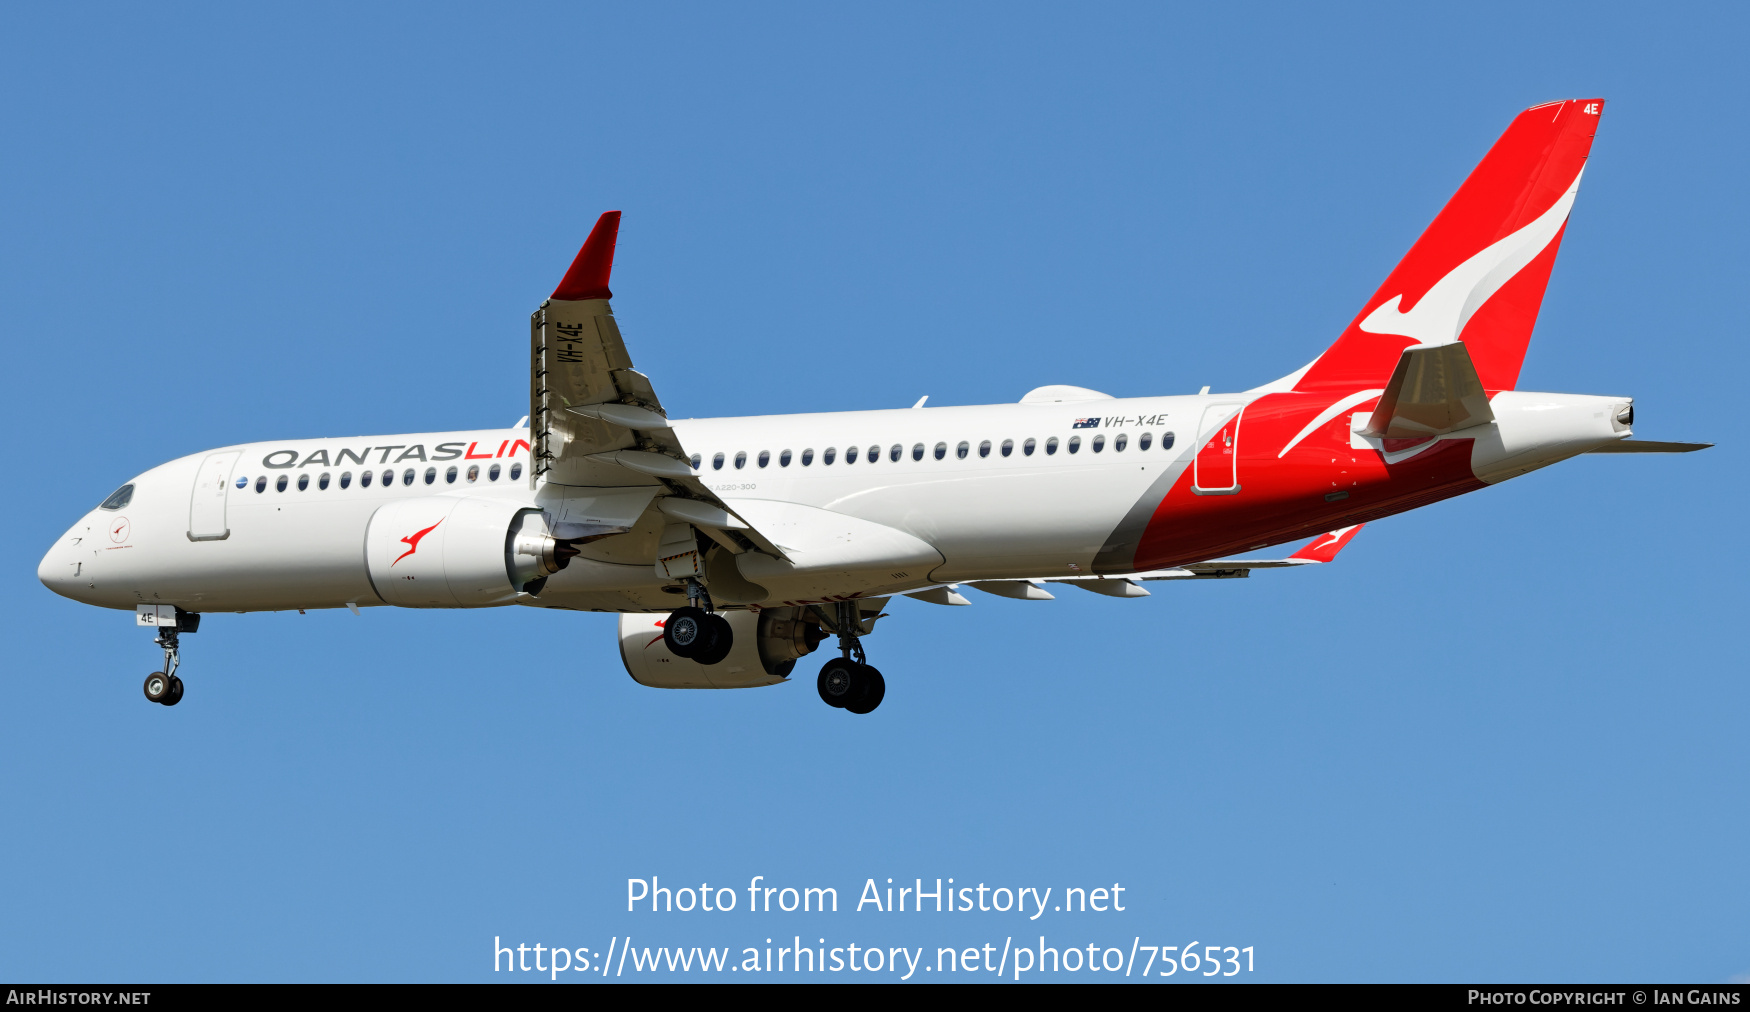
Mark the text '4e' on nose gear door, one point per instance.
(206, 504)
(1216, 469)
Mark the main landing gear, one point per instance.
(164, 687)
(697, 632)
(848, 681)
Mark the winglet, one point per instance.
(588, 276)
(1325, 547)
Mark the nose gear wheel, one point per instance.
(164, 687)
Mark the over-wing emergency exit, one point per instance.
(733, 547)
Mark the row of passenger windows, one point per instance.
(897, 451)
(385, 478)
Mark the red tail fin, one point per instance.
(1478, 273)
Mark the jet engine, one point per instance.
(460, 552)
(767, 646)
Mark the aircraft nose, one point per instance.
(61, 567)
(49, 570)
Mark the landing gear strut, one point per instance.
(697, 632)
(163, 686)
(849, 681)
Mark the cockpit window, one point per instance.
(119, 499)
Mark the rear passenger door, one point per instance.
(1216, 470)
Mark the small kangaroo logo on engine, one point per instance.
(412, 542)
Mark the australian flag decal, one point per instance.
(1086, 423)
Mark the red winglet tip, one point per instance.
(588, 276)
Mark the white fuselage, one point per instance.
(954, 492)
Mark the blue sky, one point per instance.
(1501, 739)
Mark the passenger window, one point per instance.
(516, 471)
(303, 482)
(740, 459)
(1099, 443)
(430, 475)
(1075, 444)
(963, 449)
(1118, 442)
(1143, 440)
(492, 473)
(984, 448)
(696, 461)
(765, 457)
(346, 479)
(1051, 446)
(1008, 447)
(784, 459)
(1027, 447)
(1166, 440)
(473, 473)
(851, 454)
(874, 454)
(322, 482)
(941, 450)
(717, 462)
(808, 456)
(895, 452)
(364, 480)
(917, 451)
(827, 455)
(280, 485)
(450, 475)
(408, 475)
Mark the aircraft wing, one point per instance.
(600, 436)
(1321, 549)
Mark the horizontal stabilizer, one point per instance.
(1434, 390)
(1325, 547)
(1647, 446)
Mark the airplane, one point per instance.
(733, 547)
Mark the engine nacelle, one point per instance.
(459, 551)
(767, 645)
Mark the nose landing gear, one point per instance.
(163, 687)
(848, 681)
(697, 632)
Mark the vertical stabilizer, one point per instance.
(1478, 273)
